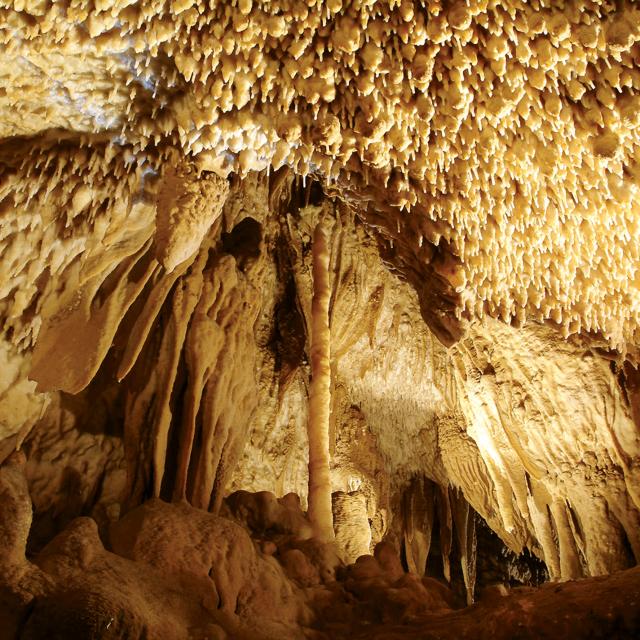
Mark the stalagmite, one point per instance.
(351, 525)
(319, 497)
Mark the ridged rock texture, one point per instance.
(392, 241)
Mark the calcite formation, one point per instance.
(175, 572)
(318, 318)
(507, 131)
(319, 494)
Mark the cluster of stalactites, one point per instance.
(69, 210)
(91, 232)
(514, 125)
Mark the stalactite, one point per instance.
(200, 363)
(82, 329)
(320, 511)
(418, 513)
(222, 332)
(446, 530)
(570, 568)
(464, 519)
(188, 205)
(185, 299)
(543, 527)
(148, 316)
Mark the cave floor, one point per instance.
(604, 607)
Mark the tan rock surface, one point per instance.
(510, 129)
(163, 169)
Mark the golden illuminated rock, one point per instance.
(511, 123)
(374, 261)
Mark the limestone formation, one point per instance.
(319, 494)
(510, 129)
(319, 319)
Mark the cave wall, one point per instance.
(212, 353)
